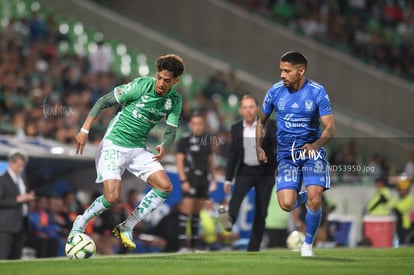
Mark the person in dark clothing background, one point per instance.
(13, 207)
(195, 165)
(248, 173)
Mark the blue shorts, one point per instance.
(312, 171)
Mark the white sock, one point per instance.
(96, 208)
(149, 203)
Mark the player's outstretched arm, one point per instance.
(82, 137)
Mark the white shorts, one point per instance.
(112, 160)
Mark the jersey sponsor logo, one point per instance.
(288, 117)
(290, 125)
(141, 117)
(291, 122)
(145, 98)
(308, 105)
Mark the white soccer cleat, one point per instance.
(306, 250)
(76, 228)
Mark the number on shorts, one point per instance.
(112, 156)
(290, 175)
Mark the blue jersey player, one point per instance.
(300, 104)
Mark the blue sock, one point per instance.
(302, 198)
(313, 220)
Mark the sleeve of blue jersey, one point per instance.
(267, 106)
(324, 103)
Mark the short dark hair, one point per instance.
(16, 154)
(294, 58)
(172, 63)
(249, 96)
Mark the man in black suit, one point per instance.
(13, 207)
(243, 166)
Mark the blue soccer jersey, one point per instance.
(297, 114)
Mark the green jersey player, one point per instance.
(145, 101)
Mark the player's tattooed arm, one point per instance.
(260, 133)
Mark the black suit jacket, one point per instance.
(236, 151)
(11, 216)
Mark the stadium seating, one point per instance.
(376, 32)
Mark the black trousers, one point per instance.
(276, 237)
(45, 248)
(11, 244)
(263, 181)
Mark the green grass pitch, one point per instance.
(279, 261)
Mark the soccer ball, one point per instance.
(295, 240)
(80, 246)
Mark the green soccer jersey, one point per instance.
(141, 110)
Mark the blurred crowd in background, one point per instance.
(47, 93)
(380, 32)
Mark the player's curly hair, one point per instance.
(172, 63)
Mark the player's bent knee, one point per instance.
(314, 202)
(314, 205)
(160, 181)
(286, 206)
(164, 186)
(167, 187)
(112, 198)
